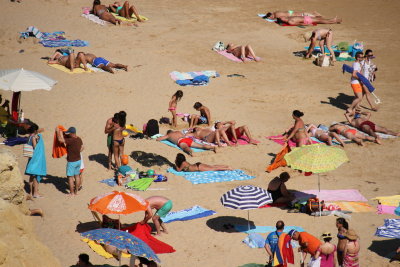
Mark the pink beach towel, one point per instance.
(279, 140)
(233, 58)
(383, 209)
(333, 195)
(244, 140)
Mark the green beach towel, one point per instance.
(141, 184)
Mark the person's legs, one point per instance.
(186, 148)
(384, 130)
(106, 68)
(70, 63)
(205, 167)
(80, 181)
(329, 42)
(31, 178)
(163, 227)
(368, 97)
(367, 129)
(77, 183)
(124, 12)
(110, 151)
(156, 221)
(121, 148)
(133, 10)
(71, 185)
(245, 130)
(222, 134)
(174, 118)
(337, 137)
(207, 147)
(117, 66)
(319, 20)
(355, 103)
(116, 154)
(250, 52)
(311, 47)
(194, 119)
(326, 139)
(355, 138)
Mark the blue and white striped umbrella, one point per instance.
(246, 197)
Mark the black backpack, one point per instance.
(152, 128)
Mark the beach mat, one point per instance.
(169, 143)
(176, 75)
(194, 212)
(274, 205)
(278, 139)
(109, 181)
(391, 229)
(212, 176)
(353, 206)
(133, 19)
(389, 200)
(95, 19)
(332, 195)
(264, 229)
(231, 57)
(91, 69)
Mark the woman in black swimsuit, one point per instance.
(278, 190)
(182, 165)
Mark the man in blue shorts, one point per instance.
(74, 146)
(162, 205)
(271, 243)
(101, 63)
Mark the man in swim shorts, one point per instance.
(356, 84)
(101, 63)
(162, 205)
(203, 118)
(184, 142)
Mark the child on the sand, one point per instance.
(172, 106)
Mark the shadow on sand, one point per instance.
(150, 159)
(100, 158)
(225, 223)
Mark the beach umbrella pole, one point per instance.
(319, 190)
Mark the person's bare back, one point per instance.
(156, 202)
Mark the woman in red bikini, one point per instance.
(351, 134)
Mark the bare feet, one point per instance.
(378, 141)
(29, 197)
(253, 142)
(214, 149)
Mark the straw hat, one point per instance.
(351, 234)
(326, 235)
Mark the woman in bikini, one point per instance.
(182, 165)
(342, 226)
(278, 190)
(118, 138)
(290, 13)
(125, 10)
(350, 254)
(102, 12)
(325, 38)
(172, 106)
(323, 136)
(351, 134)
(307, 20)
(241, 51)
(298, 132)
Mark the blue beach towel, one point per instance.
(169, 143)
(265, 229)
(196, 81)
(347, 68)
(51, 39)
(37, 164)
(60, 43)
(194, 212)
(212, 176)
(109, 182)
(254, 240)
(391, 229)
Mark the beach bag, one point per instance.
(313, 205)
(219, 46)
(27, 150)
(323, 61)
(152, 128)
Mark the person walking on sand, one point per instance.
(356, 84)
(326, 251)
(203, 118)
(172, 106)
(74, 146)
(323, 37)
(242, 52)
(162, 205)
(182, 165)
(271, 243)
(368, 71)
(308, 244)
(183, 142)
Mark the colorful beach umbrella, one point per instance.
(246, 197)
(316, 158)
(117, 202)
(122, 241)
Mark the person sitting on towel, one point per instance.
(125, 10)
(203, 118)
(278, 190)
(101, 63)
(67, 60)
(289, 13)
(182, 165)
(183, 142)
(241, 51)
(162, 205)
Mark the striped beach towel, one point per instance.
(212, 176)
(176, 75)
(391, 229)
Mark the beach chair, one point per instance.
(97, 218)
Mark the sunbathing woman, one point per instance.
(290, 13)
(298, 132)
(323, 37)
(182, 165)
(125, 10)
(241, 51)
(351, 134)
(307, 20)
(69, 61)
(323, 136)
(102, 12)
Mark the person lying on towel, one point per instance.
(68, 60)
(233, 132)
(182, 165)
(242, 51)
(101, 63)
(289, 13)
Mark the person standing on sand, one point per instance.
(185, 143)
(110, 123)
(271, 243)
(350, 254)
(162, 205)
(74, 146)
(172, 106)
(343, 226)
(118, 140)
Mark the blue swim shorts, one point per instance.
(203, 120)
(73, 168)
(100, 61)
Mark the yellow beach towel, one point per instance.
(64, 69)
(389, 201)
(100, 250)
(133, 19)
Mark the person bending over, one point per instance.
(162, 205)
(203, 118)
(322, 37)
(182, 165)
(278, 190)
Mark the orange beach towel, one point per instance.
(59, 149)
(279, 160)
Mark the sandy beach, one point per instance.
(179, 36)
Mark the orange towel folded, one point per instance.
(279, 160)
(59, 149)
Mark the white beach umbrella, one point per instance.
(18, 80)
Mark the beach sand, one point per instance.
(179, 36)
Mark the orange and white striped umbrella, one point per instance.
(118, 203)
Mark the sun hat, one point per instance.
(292, 232)
(351, 235)
(71, 130)
(326, 235)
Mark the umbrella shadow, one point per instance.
(150, 159)
(61, 183)
(225, 223)
(100, 158)
(87, 226)
(385, 248)
(341, 101)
